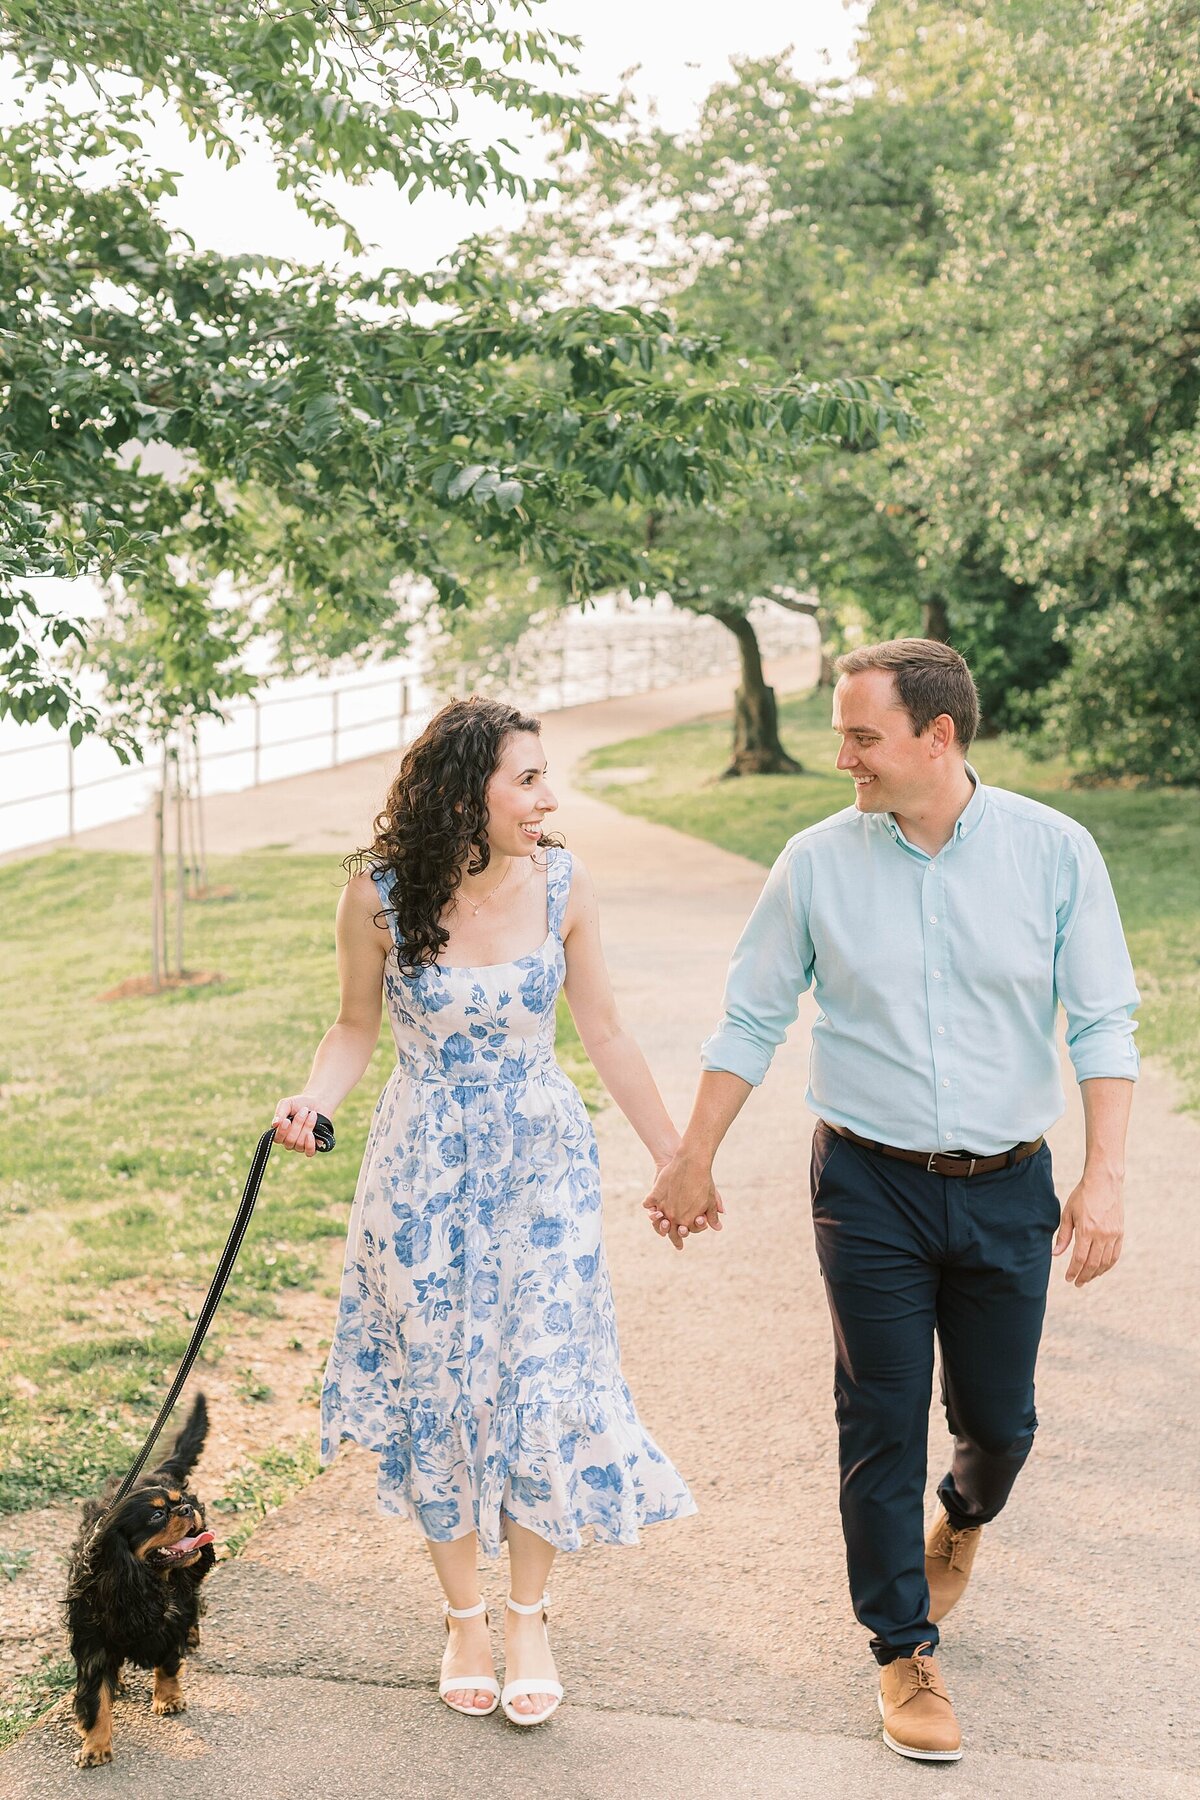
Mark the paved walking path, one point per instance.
(720, 1658)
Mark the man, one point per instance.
(940, 923)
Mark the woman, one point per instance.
(476, 1348)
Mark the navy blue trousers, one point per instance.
(906, 1256)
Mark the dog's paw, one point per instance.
(193, 1636)
(90, 1756)
(166, 1704)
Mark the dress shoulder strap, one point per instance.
(559, 866)
(385, 881)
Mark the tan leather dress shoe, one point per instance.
(949, 1555)
(918, 1718)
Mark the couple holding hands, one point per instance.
(940, 924)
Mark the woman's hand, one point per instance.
(684, 1199)
(295, 1117)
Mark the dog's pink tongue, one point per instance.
(194, 1543)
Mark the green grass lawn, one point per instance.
(127, 1129)
(1150, 838)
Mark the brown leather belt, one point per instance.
(939, 1162)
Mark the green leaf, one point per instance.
(464, 481)
(509, 495)
(485, 487)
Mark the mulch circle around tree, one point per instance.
(135, 986)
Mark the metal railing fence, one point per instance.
(252, 707)
(561, 664)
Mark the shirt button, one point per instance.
(949, 1135)
(933, 918)
(941, 1031)
(945, 1084)
(937, 974)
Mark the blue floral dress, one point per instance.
(476, 1345)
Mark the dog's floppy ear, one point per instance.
(108, 1564)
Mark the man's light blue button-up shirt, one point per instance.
(938, 978)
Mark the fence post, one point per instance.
(70, 789)
(257, 740)
(333, 748)
(202, 853)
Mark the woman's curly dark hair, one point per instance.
(434, 820)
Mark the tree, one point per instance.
(1067, 453)
(112, 334)
(168, 660)
(242, 415)
(1003, 200)
(33, 684)
(719, 224)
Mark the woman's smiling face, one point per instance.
(519, 797)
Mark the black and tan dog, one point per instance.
(133, 1594)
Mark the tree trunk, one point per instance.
(826, 673)
(179, 861)
(158, 888)
(756, 746)
(935, 622)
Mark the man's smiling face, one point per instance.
(893, 769)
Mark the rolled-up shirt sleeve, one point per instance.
(771, 967)
(1093, 975)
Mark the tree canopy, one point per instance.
(1004, 201)
(309, 433)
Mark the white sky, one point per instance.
(679, 53)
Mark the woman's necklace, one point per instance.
(489, 895)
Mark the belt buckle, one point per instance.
(930, 1170)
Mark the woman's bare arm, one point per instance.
(347, 1047)
(614, 1054)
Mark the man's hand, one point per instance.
(683, 1199)
(1094, 1216)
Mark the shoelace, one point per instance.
(922, 1675)
(958, 1542)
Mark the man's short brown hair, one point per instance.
(931, 678)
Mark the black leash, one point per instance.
(323, 1133)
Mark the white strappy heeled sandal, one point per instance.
(535, 1684)
(480, 1684)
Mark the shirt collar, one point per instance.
(966, 822)
(968, 819)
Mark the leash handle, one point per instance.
(324, 1134)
